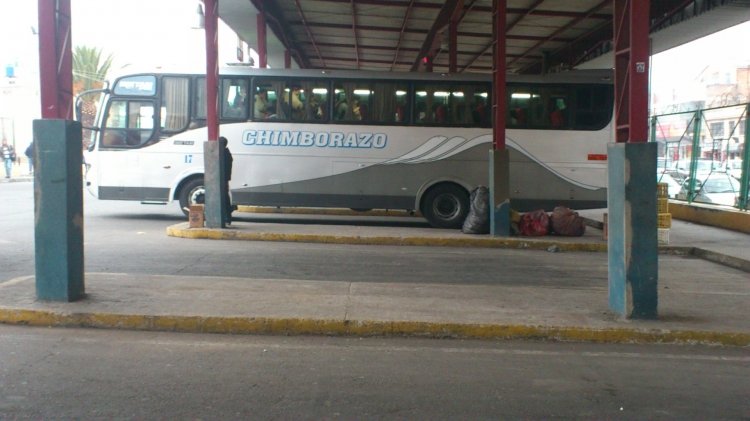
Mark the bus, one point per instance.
(353, 139)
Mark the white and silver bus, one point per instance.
(360, 140)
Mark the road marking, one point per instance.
(16, 280)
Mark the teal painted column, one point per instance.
(500, 192)
(214, 163)
(58, 210)
(632, 241)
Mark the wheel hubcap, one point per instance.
(446, 206)
(197, 196)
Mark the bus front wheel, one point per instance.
(192, 193)
(446, 206)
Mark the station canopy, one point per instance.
(397, 35)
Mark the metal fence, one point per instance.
(703, 155)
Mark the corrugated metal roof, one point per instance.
(395, 35)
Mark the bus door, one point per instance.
(173, 153)
(128, 126)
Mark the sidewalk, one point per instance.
(20, 172)
(699, 301)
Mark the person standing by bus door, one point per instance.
(8, 155)
(227, 176)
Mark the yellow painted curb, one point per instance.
(295, 326)
(731, 219)
(181, 230)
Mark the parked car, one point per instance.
(673, 186)
(734, 168)
(703, 168)
(717, 188)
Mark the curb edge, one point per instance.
(323, 327)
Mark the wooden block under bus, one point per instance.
(195, 216)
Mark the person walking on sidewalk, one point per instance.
(8, 155)
(30, 156)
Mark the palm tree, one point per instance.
(88, 73)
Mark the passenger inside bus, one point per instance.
(260, 107)
(295, 109)
(236, 96)
(399, 113)
(479, 112)
(240, 101)
(518, 117)
(556, 117)
(315, 104)
(440, 114)
(341, 108)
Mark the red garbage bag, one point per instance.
(567, 222)
(534, 223)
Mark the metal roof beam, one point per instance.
(449, 9)
(275, 20)
(562, 29)
(418, 31)
(483, 9)
(354, 30)
(401, 33)
(307, 29)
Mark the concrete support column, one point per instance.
(632, 241)
(499, 156)
(631, 196)
(212, 151)
(58, 210)
(500, 192)
(216, 189)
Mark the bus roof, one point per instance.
(573, 76)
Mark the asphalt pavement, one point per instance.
(706, 303)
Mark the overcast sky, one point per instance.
(136, 32)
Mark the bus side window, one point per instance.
(199, 99)
(423, 108)
(235, 102)
(114, 137)
(262, 107)
(174, 104)
(113, 132)
(129, 123)
(480, 112)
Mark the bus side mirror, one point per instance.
(80, 103)
(79, 106)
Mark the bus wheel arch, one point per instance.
(191, 191)
(445, 205)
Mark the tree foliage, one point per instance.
(89, 71)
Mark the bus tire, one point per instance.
(446, 205)
(192, 193)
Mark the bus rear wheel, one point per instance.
(446, 206)
(192, 193)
